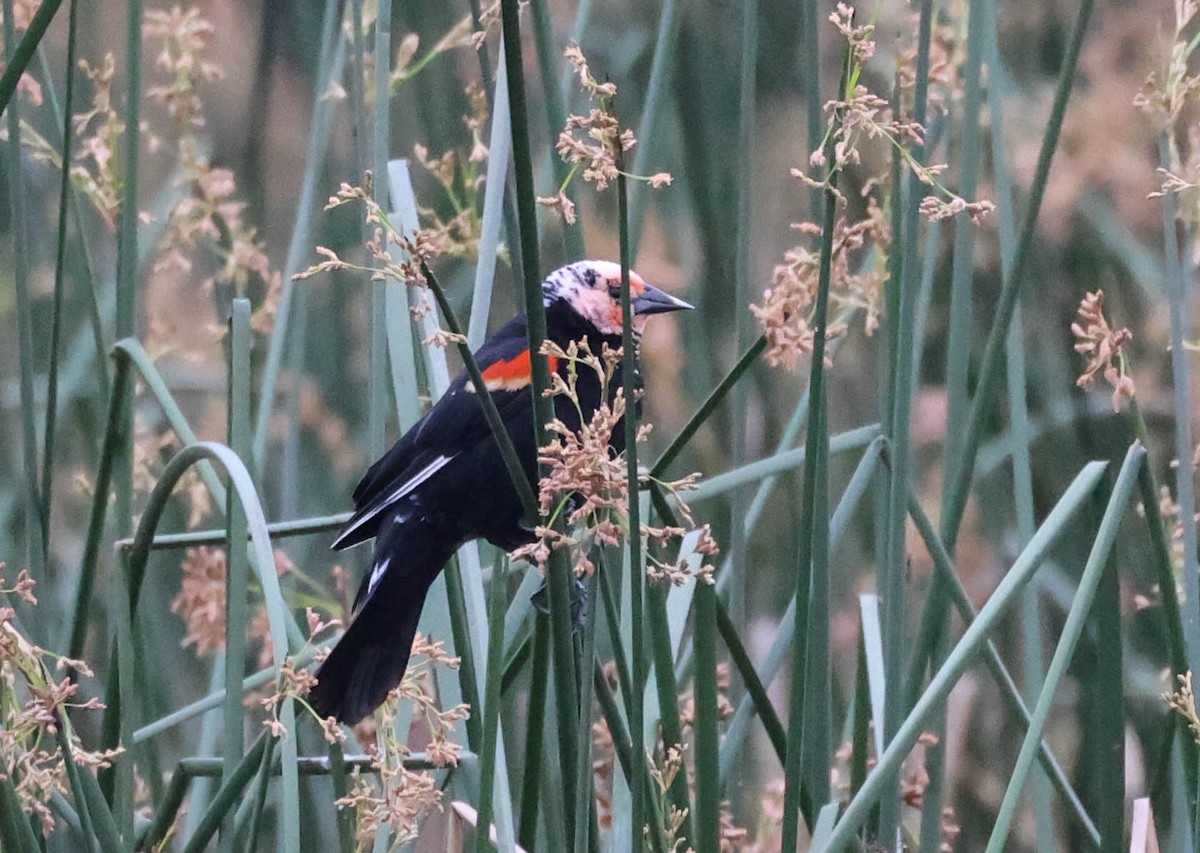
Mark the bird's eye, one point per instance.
(614, 290)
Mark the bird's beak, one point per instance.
(655, 301)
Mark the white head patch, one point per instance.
(593, 289)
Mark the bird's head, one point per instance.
(592, 289)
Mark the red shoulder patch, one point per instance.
(512, 374)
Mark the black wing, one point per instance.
(454, 424)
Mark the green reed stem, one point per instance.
(227, 795)
(1097, 563)
(237, 558)
(532, 772)
(329, 68)
(116, 436)
(709, 406)
(585, 795)
(1011, 694)
(36, 533)
(708, 772)
(558, 572)
(958, 488)
(60, 263)
(629, 376)
(556, 115)
(893, 590)
(662, 66)
(817, 445)
(973, 641)
(491, 707)
(22, 53)
(666, 684)
(460, 627)
(1180, 301)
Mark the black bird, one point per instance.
(444, 483)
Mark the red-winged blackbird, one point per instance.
(445, 482)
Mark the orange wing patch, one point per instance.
(511, 374)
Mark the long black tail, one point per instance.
(371, 657)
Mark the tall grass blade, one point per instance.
(86, 266)
(116, 434)
(491, 707)
(60, 262)
(556, 117)
(534, 743)
(874, 658)
(1107, 723)
(708, 775)
(963, 653)
(558, 580)
(20, 53)
(1033, 654)
(637, 581)
(1008, 687)
(787, 460)
(227, 795)
(1180, 301)
(667, 689)
(585, 795)
(133, 351)
(738, 727)
(499, 155)
(377, 398)
(662, 66)
(958, 488)
(895, 569)
(401, 340)
(1097, 563)
(734, 581)
(63, 738)
(818, 446)
(16, 832)
(329, 68)
(36, 533)
(237, 559)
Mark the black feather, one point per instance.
(370, 659)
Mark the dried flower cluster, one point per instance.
(856, 120)
(670, 762)
(860, 117)
(180, 36)
(1183, 702)
(1102, 346)
(201, 601)
(1165, 93)
(208, 216)
(415, 251)
(1168, 508)
(461, 176)
(406, 65)
(32, 706)
(947, 55)
(402, 797)
(787, 305)
(587, 484)
(96, 168)
(1164, 96)
(595, 142)
(294, 683)
(421, 248)
(663, 772)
